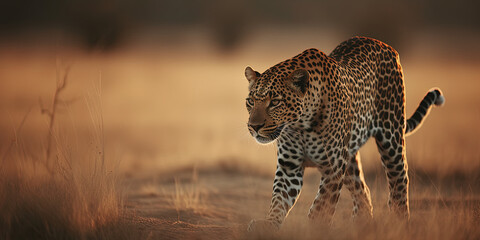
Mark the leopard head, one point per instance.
(275, 100)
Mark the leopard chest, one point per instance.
(315, 149)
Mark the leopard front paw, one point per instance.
(263, 225)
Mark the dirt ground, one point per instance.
(222, 202)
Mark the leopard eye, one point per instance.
(250, 102)
(275, 102)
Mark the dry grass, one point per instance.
(432, 218)
(455, 223)
(188, 196)
(68, 193)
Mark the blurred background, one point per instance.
(171, 73)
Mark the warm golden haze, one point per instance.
(179, 160)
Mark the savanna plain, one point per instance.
(150, 142)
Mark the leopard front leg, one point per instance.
(286, 188)
(354, 181)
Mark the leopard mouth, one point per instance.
(271, 136)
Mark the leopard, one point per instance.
(319, 110)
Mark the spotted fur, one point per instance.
(321, 109)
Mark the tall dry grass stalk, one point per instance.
(68, 193)
(61, 84)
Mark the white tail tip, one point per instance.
(440, 100)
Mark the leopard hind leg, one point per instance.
(391, 145)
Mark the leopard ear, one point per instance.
(251, 75)
(298, 81)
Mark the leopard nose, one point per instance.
(257, 127)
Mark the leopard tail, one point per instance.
(434, 96)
